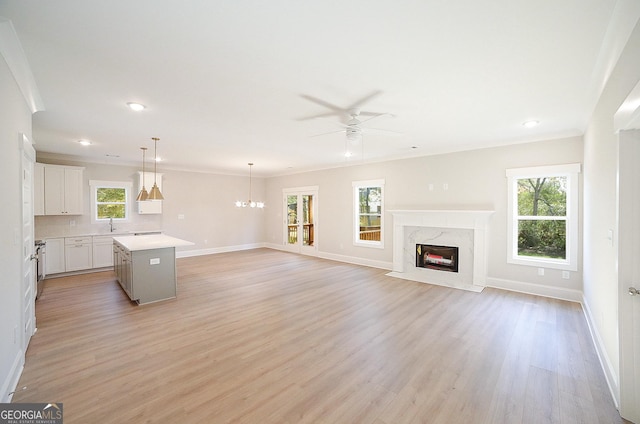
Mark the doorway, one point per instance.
(301, 220)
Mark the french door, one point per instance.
(301, 219)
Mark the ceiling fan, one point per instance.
(349, 116)
(354, 129)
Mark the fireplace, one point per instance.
(441, 258)
(465, 229)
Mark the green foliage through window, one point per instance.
(542, 223)
(111, 203)
(370, 206)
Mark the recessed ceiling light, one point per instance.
(530, 124)
(84, 142)
(136, 106)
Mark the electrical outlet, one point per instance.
(72, 223)
(565, 275)
(430, 187)
(154, 261)
(540, 272)
(445, 186)
(181, 216)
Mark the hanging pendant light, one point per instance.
(250, 202)
(155, 191)
(143, 195)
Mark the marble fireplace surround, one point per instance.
(469, 225)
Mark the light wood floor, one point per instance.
(263, 336)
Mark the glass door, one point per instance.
(300, 211)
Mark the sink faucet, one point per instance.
(111, 225)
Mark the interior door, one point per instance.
(629, 273)
(301, 219)
(28, 157)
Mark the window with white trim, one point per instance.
(110, 200)
(368, 206)
(543, 216)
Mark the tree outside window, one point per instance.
(542, 222)
(543, 211)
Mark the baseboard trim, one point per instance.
(13, 378)
(570, 295)
(605, 362)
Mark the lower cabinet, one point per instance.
(123, 268)
(54, 251)
(102, 255)
(78, 253)
(146, 275)
(67, 254)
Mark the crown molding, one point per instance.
(13, 53)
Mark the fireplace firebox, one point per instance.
(441, 258)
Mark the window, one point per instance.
(369, 213)
(110, 200)
(543, 216)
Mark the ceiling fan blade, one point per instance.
(334, 108)
(365, 99)
(375, 115)
(318, 116)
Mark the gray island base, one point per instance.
(145, 266)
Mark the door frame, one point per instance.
(299, 247)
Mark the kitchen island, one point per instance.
(145, 266)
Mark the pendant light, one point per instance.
(143, 195)
(155, 191)
(250, 202)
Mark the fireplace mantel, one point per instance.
(475, 220)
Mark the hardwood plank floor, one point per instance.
(263, 336)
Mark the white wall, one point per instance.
(15, 118)
(601, 173)
(476, 180)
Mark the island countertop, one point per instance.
(152, 241)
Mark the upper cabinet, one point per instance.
(58, 190)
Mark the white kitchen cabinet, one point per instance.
(38, 189)
(78, 252)
(149, 206)
(55, 262)
(102, 251)
(63, 194)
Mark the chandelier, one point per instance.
(250, 203)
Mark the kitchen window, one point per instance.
(110, 200)
(543, 216)
(368, 199)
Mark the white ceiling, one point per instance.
(228, 82)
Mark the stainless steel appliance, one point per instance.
(40, 272)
